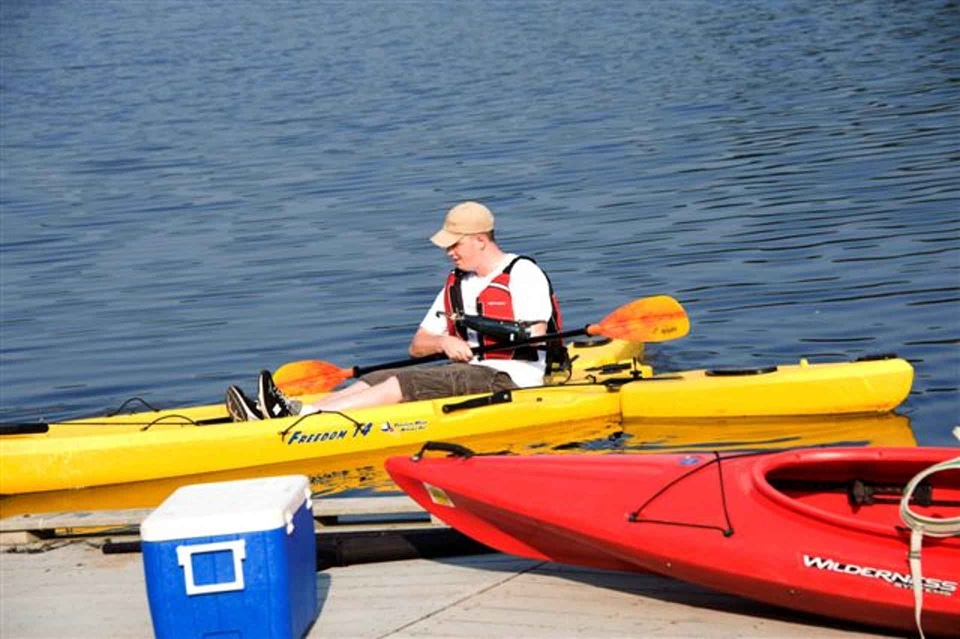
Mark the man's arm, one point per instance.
(431, 336)
(426, 343)
(531, 296)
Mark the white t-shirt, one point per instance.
(530, 294)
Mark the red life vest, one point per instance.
(496, 302)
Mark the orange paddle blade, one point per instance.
(651, 319)
(309, 376)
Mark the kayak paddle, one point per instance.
(649, 319)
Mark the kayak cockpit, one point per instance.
(863, 491)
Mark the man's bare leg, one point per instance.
(359, 395)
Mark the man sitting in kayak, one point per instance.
(506, 296)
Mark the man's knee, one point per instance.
(389, 390)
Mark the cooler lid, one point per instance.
(223, 508)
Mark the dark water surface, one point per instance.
(192, 191)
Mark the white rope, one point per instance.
(921, 525)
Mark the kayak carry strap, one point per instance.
(921, 525)
(24, 429)
(447, 447)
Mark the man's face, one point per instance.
(465, 254)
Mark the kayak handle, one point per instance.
(500, 397)
(24, 429)
(454, 449)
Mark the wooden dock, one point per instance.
(55, 583)
(74, 590)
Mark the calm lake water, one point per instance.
(193, 191)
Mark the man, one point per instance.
(485, 284)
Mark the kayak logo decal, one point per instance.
(690, 460)
(898, 579)
(404, 427)
(362, 430)
(300, 437)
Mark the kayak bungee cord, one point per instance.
(634, 517)
(44, 427)
(718, 459)
(142, 401)
(172, 418)
(921, 525)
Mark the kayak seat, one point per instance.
(862, 493)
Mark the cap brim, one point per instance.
(445, 239)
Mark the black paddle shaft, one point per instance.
(426, 359)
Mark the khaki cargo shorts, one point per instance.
(446, 380)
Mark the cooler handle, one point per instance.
(238, 548)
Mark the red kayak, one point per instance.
(817, 530)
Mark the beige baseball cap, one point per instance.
(466, 218)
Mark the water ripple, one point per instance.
(190, 194)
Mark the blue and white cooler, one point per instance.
(232, 560)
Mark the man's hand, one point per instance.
(455, 348)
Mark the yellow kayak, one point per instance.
(365, 471)
(362, 470)
(200, 440)
(151, 446)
